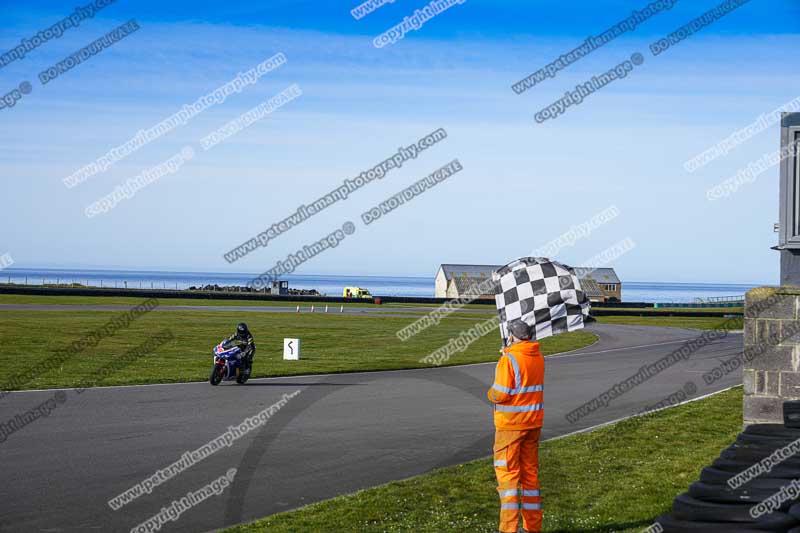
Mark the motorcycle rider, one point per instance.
(243, 339)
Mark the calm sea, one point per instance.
(332, 285)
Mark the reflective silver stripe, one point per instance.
(501, 462)
(518, 408)
(506, 493)
(509, 506)
(517, 379)
(532, 388)
(502, 389)
(534, 506)
(530, 492)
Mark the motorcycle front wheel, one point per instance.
(216, 374)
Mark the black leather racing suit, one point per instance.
(247, 344)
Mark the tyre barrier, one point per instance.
(791, 414)
(763, 441)
(673, 525)
(686, 507)
(753, 454)
(772, 430)
(723, 494)
(734, 467)
(713, 476)
(795, 513)
(710, 504)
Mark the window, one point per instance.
(796, 185)
(789, 226)
(610, 287)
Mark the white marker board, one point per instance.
(291, 349)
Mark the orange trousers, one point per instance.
(516, 464)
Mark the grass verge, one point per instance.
(330, 343)
(719, 310)
(125, 300)
(617, 478)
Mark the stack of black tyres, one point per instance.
(712, 505)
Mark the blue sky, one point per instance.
(523, 183)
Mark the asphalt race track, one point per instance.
(341, 433)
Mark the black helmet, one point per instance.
(241, 329)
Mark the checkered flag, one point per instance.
(544, 294)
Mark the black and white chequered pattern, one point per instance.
(544, 294)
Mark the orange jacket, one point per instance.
(518, 389)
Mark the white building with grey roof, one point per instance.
(472, 281)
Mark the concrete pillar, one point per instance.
(771, 348)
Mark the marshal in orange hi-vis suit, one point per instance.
(518, 396)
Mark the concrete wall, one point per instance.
(440, 285)
(451, 292)
(771, 348)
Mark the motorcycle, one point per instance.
(228, 364)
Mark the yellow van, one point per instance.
(355, 292)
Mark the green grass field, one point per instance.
(614, 479)
(329, 342)
(119, 300)
(720, 310)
